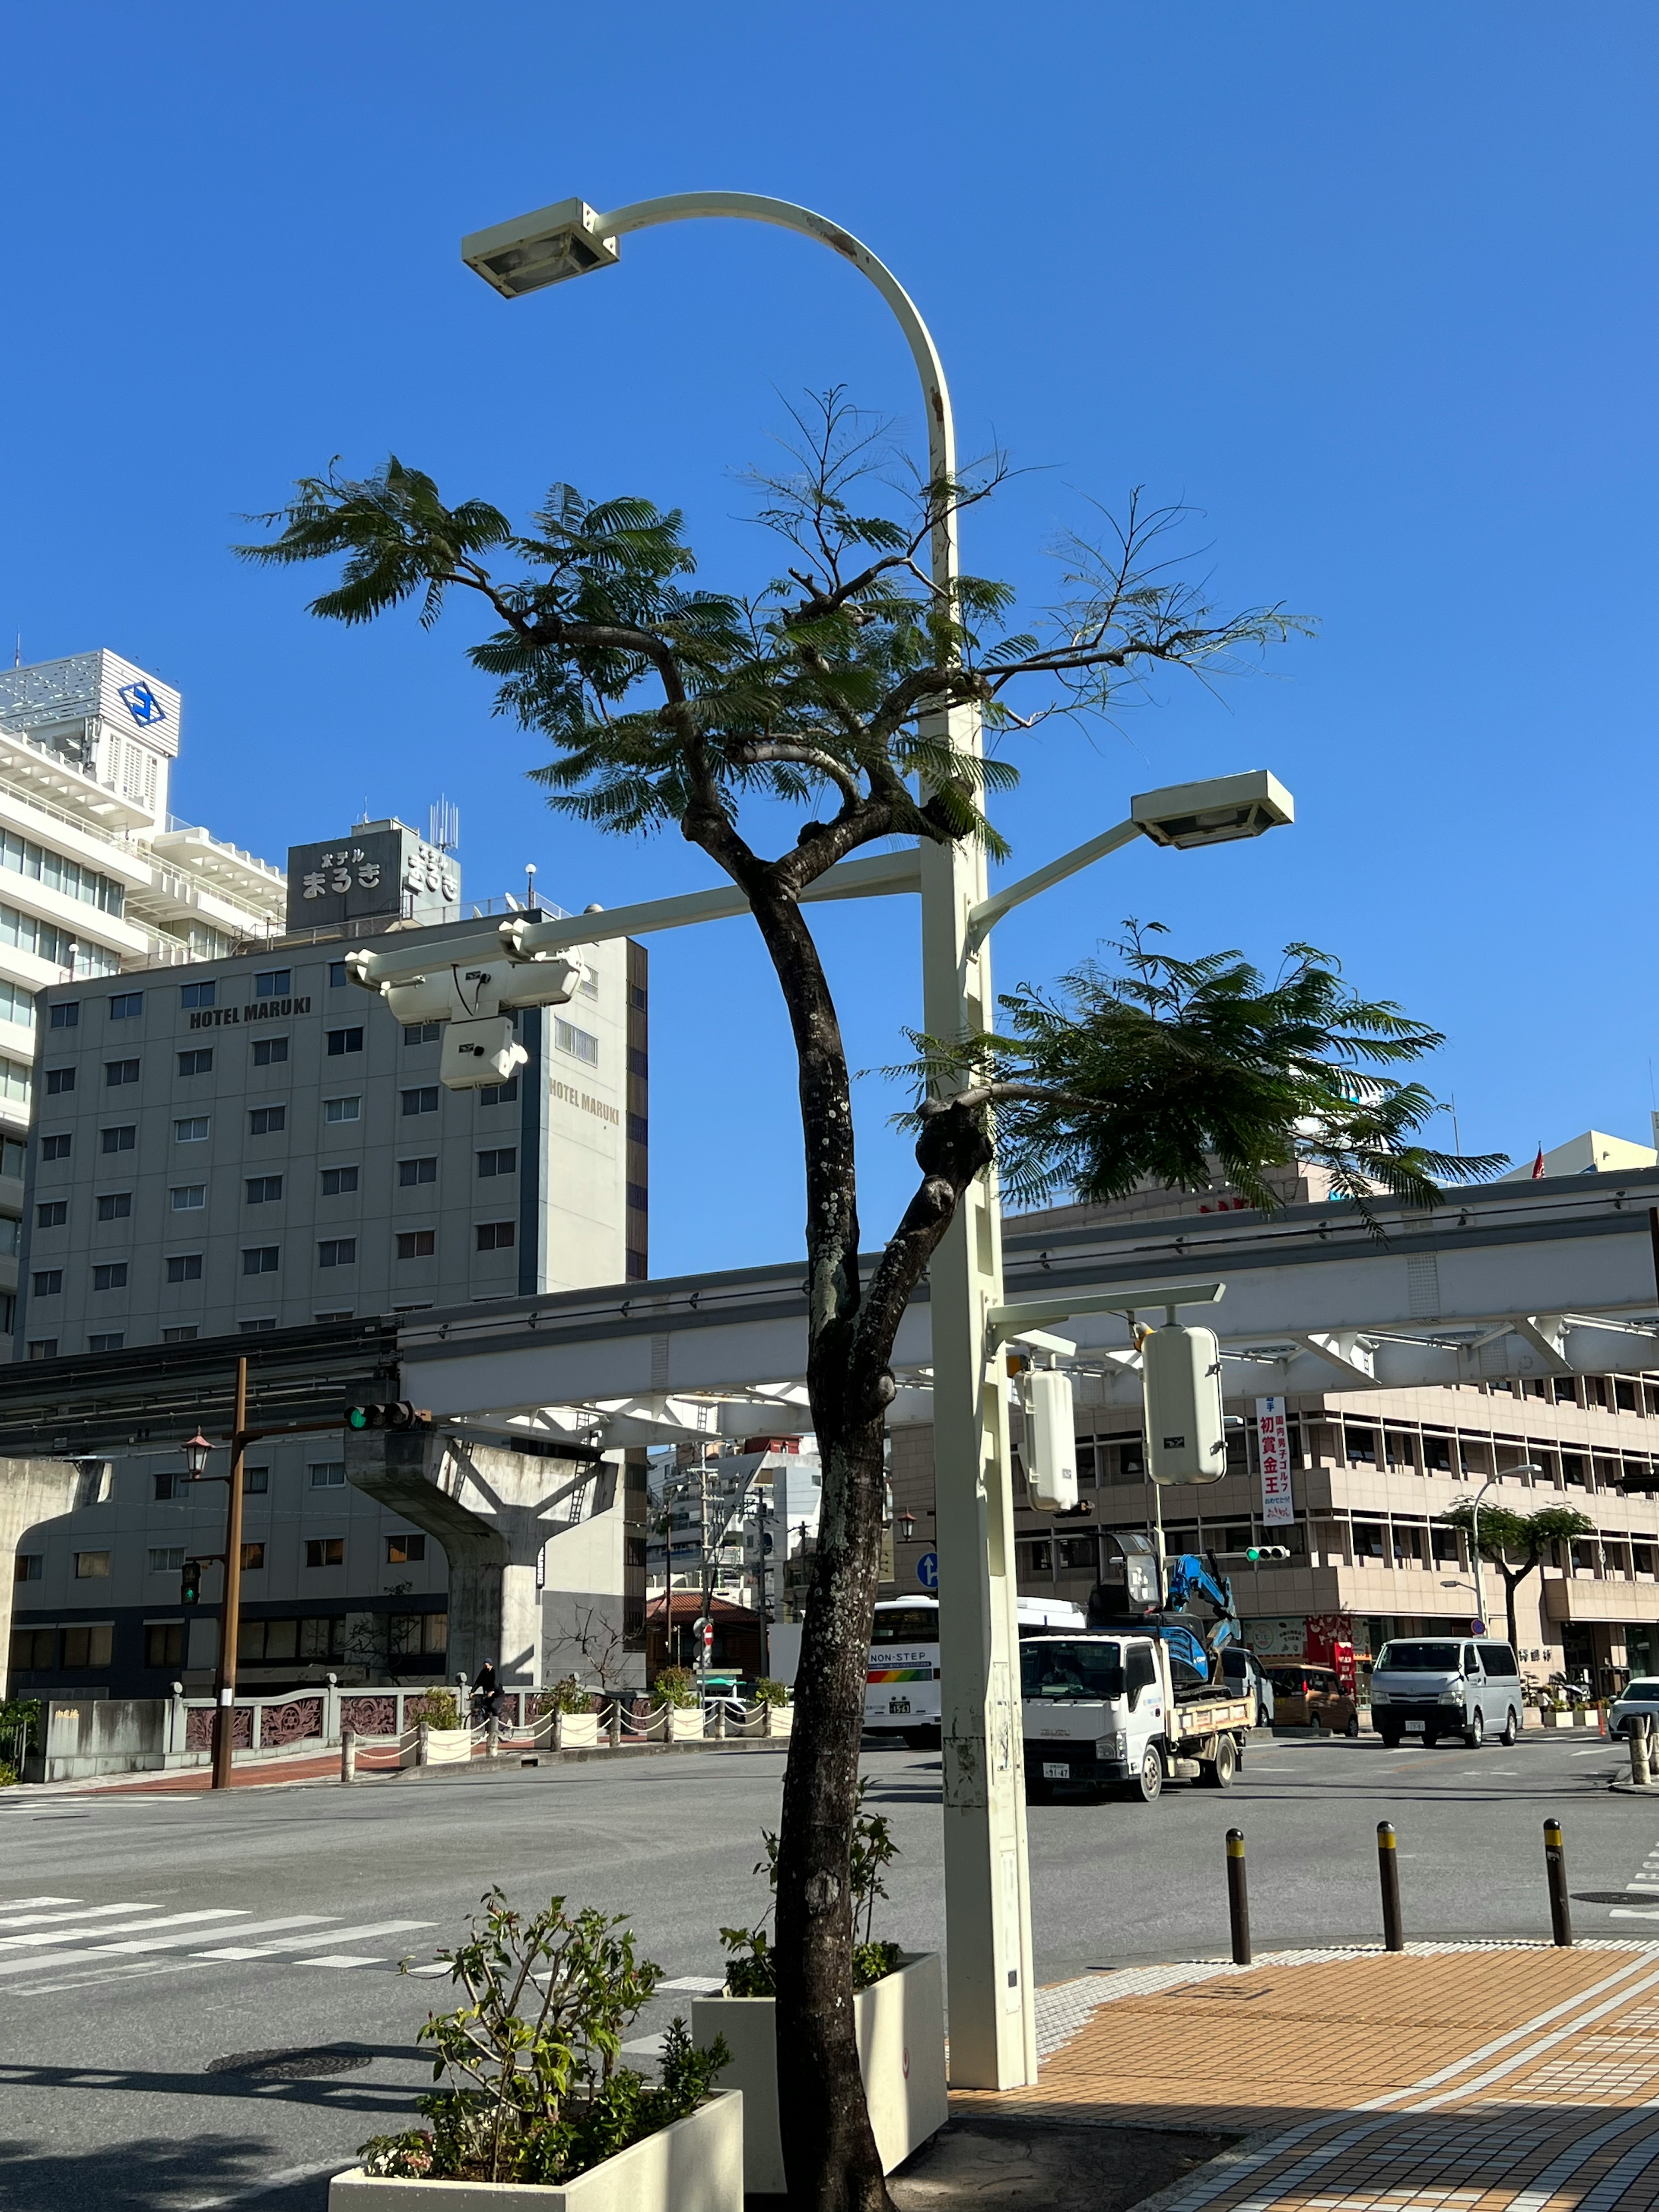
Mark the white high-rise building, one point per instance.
(96, 877)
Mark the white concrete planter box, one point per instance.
(442, 1747)
(695, 2166)
(779, 1720)
(685, 1724)
(900, 2024)
(577, 1730)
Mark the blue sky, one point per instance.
(1371, 288)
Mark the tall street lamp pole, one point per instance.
(230, 1610)
(986, 1892)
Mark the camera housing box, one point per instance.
(1186, 1430)
(1050, 1442)
(478, 1053)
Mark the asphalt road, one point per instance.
(108, 2094)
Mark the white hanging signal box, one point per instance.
(1185, 1430)
(1050, 1441)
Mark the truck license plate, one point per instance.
(1056, 1770)
(1413, 1728)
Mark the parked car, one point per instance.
(1639, 1697)
(1310, 1696)
(1425, 1686)
(1242, 1670)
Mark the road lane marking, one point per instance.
(53, 1922)
(333, 1935)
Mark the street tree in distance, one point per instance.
(845, 688)
(1507, 1537)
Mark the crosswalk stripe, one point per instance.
(53, 1923)
(29, 1904)
(192, 1936)
(32, 1961)
(337, 1959)
(331, 1935)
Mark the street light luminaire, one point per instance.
(1214, 812)
(534, 250)
(196, 1456)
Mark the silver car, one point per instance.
(1425, 1686)
(1639, 1698)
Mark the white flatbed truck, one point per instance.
(1104, 1709)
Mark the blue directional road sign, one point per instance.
(927, 1571)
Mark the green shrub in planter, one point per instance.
(532, 2091)
(567, 1696)
(751, 1971)
(768, 1692)
(437, 1708)
(675, 1686)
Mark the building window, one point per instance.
(197, 994)
(47, 1282)
(115, 1206)
(343, 1110)
(164, 1643)
(423, 1101)
(325, 1551)
(119, 1140)
(185, 1336)
(26, 1566)
(327, 1473)
(636, 999)
(199, 1062)
(416, 1243)
(639, 1129)
(270, 1052)
(190, 1131)
(264, 1190)
(255, 1481)
(345, 1314)
(580, 1044)
(54, 1148)
(638, 1270)
(421, 1032)
(52, 1215)
(113, 1276)
(260, 1259)
(187, 1197)
(414, 1171)
(341, 1041)
(637, 1063)
(88, 1647)
(495, 1236)
(66, 1015)
(266, 1121)
(414, 1635)
(43, 1347)
(13, 1154)
(58, 1080)
(126, 1006)
(118, 1072)
(92, 1566)
(260, 1326)
(405, 1551)
(338, 1181)
(254, 1559)
(106, 1340)
(274, 983)
(504, 1160)
(590, 983)
(184, 1268)
(499, 1094)
(638, 1198)
(338, 1252)
(167, 1558)
(337, 973)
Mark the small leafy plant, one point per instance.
(768, 1692)
(752, 1969)
(674, 1686)
(532, 2093)
(567, 1696)
(437, 1708)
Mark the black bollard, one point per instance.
(1387, 1867)
(1238, 1897)
(1555, 1865)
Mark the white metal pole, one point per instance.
(987, 1885)
(1475, 1547)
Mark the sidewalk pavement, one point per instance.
(1457, 2077)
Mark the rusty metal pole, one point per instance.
(230, 1613)
(1238, 1897)
(1387, 1867)
(1555, 1866)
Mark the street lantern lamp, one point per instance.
(907, 1526)
(196, 1456)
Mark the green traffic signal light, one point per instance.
(190, 1591)
(358, 1418)
(1253, 1555)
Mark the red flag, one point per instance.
(1537, 1166)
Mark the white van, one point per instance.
(1425, 1686)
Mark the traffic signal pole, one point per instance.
(230, 1613)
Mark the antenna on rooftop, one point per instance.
(443, 826)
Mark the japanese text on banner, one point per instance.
(1273, 1443)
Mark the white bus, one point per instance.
(901, 1692)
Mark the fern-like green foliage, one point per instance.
(1159, 1070)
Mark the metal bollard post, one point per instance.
(1238, 1897)
(1640, 1770)
(719, 1722)
(348, 1754)
(1387, 1867)
(424, 1731)
(616, 1724)
(1555, 1865)
(493, 1737)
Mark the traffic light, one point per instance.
(189, 1592)
(1261, 1551)
(399, 1414)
